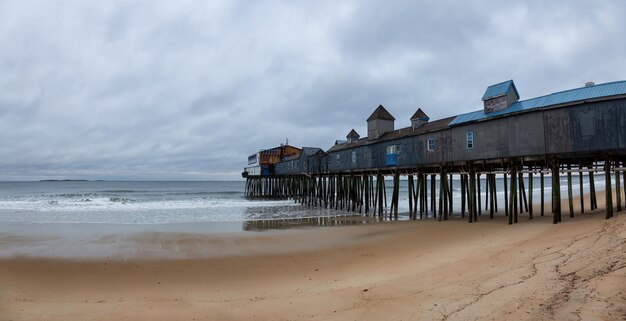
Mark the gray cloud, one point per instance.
(157, 90)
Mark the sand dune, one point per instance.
(426, 270)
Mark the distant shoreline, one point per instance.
(65, 180)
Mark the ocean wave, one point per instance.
(71, 195)
(126, 204)
(123, 191)
(120, 200)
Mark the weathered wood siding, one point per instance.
(377, 127)
(579, 129)
(345, 163)
(512, 136)
(586, 128)
(294, 166)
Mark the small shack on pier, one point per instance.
(262, 163)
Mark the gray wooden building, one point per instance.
(582, 128)
(570, 123)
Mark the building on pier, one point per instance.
(579, 130)
(574, 122)
(308, 161)
(262, 163)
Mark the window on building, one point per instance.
(430, 144)
(469, 139)
(393, 149)
(338, 158)
(353, 157)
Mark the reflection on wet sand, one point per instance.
(272, 224)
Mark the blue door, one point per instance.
(392, 155)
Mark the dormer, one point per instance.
(379, 123)
(500, 96)
(418, 119)
(353, 136)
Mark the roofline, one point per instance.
(549, 107)
(576, 102)
(583, 87)
(392, 139)
(285, 145)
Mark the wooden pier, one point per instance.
(580, 132)
(365, 193)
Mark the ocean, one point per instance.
(180, 202)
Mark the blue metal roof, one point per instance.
(500, 89)
(562, 97)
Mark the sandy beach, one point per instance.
(424, 270)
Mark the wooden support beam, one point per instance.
(514, 194)
(446, 202)
(511, 194)
(592, 191)
(433, 196)
(450, 187)
(423, 196)
(384, 188)
(472, 196)
(440, 201)
(523, 191)
(556, 193)
(543, 192)
(416, 195)
(480, 212)
(426, 194)
(495, 192)
(467, 191)
(366, 183)
(608, 192)
(462, 179)
(570, 197)
(410, 191)
(443, 198)
(492, 192)
(506, 197)
(487, 187)
(530, 193)
(582, 193)
(396, 187)
(618, 189)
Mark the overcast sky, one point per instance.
(188, 89)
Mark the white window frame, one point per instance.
(469, 139)
(428, 144)
(353, 157)
(393, 149)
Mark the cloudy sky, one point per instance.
(188, 89)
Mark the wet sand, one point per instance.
(426, 270)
